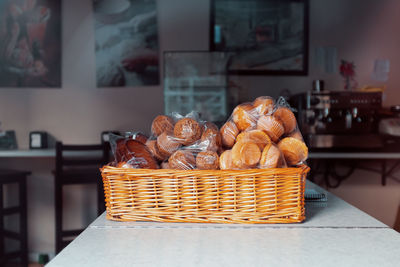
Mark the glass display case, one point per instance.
(196, 81)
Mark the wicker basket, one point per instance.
(240, 196)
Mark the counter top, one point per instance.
(334, 234)
(43, 153)
(232, 247)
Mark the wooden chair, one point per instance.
(19, 178)
(77, 164)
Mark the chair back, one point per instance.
(80, 156)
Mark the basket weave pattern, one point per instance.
(215, 196)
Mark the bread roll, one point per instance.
(162, 124)
(264, 105)
(244, 116)
(225, 160)
(246, 155)
(229, 131)
(254, 136)
(182, 160)
(152, 146)
(207, 160)
(167, 144)
(294, 150)
(271, 126)
(187, 131)
(271, 157)
(213, 137)
(287, 118)
(139, 156)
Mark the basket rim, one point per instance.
(303, 169)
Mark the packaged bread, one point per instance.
(187, 131)
(294, 150)
(263, 123)
(259, 134)
(161, 124)
(167, 144)
(272, 157)
(229, 131)
(244, 116)
(257, 137)
(212, 136)
(271, 126)
(182, 160)
(225, 161)
(130, 153)
(207, 160)
(246, 155)
(264, 105)
(152, 146)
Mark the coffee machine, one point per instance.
(339, 119)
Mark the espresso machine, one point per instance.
(339, 119)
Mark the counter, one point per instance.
(334, 234)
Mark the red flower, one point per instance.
(347, 69)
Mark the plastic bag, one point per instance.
(178, 142)
(262, 134)
(130, 151)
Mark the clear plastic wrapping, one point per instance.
(261, 134)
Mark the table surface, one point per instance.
(334, 234)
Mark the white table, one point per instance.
(335, 235)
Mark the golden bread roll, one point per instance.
(246, 155)
(207, 160)
(187, 131)
(229, 131)
(139, 156)
(287, 118)
(162, 124)
(254, 136)
(244, 116)
(294, 150)
(271, 157)
(182, 160)
(152, 146)
(271, 126)
(213, 136)
(167, 144)
(264, 105)
(225, 160)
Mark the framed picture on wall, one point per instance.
(30, 43)
(126, 48)
(267, 37)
